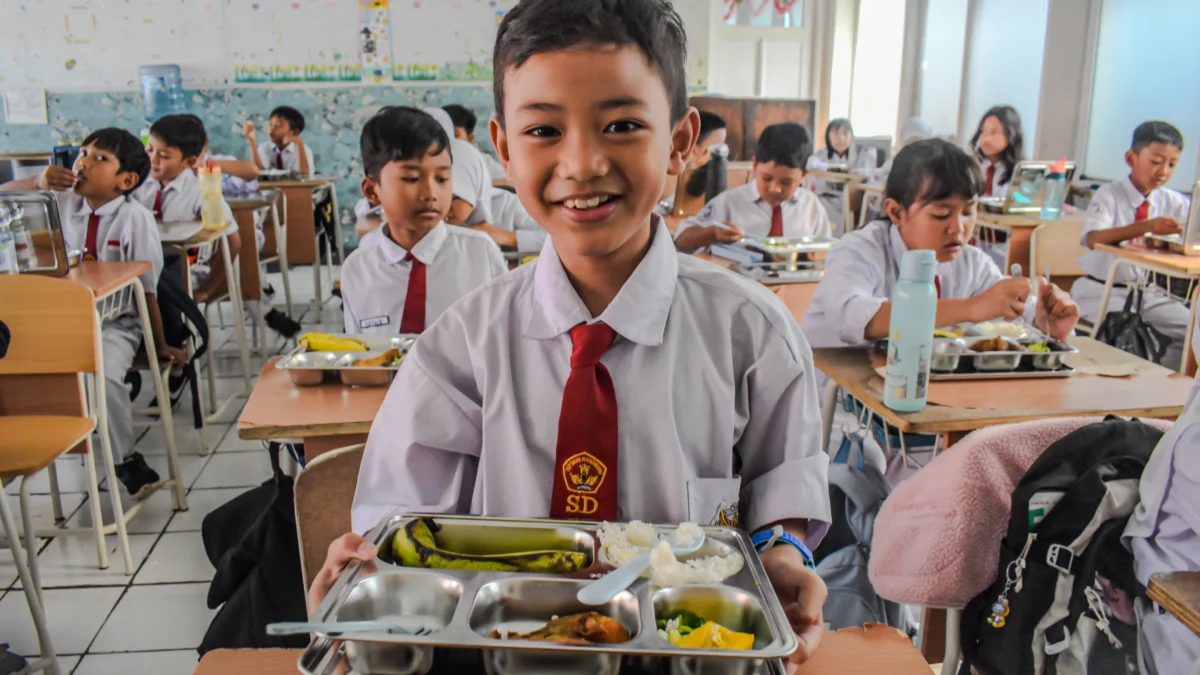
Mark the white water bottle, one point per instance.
(8, 250)
(910, 336)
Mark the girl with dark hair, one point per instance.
(999, 144)
(931, 201)
(840, 154)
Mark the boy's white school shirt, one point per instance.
(494, 167)
(861, 272)
(716, 398)
(861, 159)
(291, 158)
(1164, 534)
(375, 278)
(803, 214)
(998, 189)
(127, 232)
(181, 200)
(1115, 205)
(510, 215)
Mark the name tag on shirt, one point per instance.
(374, 322)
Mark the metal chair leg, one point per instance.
(33, 597)
(55, 495)
(93, 487)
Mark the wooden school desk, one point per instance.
(245, 211)
(1019, 229)
(1159, 262)
(1179, 594)
(301, 228)
(853, 651)
(797, 296)
(324, 417)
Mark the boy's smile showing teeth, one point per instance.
(590, 207)
(585, 203)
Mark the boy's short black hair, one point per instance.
(710, 122)
(931, 170)
(539, 26)
(290, 115)
(785, 143)
(462, 117)
(128, 149)
(1156, 131)
(185, 132)
(397, 133)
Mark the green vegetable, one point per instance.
(688, 620)
(1039, 347)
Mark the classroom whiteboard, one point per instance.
(99, 44)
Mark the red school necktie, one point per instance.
(776, 222)
(413, 319)
(1143, 212)
(937, 285)
(89, 241)
(278, 159)
(585, 462)
(991, 176)
(158, 200)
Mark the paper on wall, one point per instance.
(25, 106)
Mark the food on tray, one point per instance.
(324, 342)
(953, 332)
(1039, 347)
(621, 544)
(1001, 328)
(415, 546)
(577, 629)
(690, 631)
(388, 359)
(994, 345)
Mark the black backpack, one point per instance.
(181, 320)
(1128, 331)
(1062, 561)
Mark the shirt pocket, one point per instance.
(111, 251)
(714, 501)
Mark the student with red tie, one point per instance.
(284, 149)
(419, 265)
(771, 205)
(931, 203)
(1126, 209)
(999, 144)
(101, 218)
(684, 391)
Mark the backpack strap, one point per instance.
(866, 489)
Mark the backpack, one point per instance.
(181, 320)
(1062, 602)
(855, 494)
(1128, 331)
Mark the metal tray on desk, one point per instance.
(463, 607)
(954, 359)
(783, 273)
(788, 249)
(310, 368)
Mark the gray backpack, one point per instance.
(855, 492)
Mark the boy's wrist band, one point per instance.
(777, 537)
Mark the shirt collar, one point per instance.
(425, 250)
(107, 210)
(1132, 193)
(181, 182)
(638, 313)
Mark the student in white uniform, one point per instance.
(100, 218)
(840, 152)
(713, 132)
(1164, 535)
(999, 143)
(285, 150)
(465, 120)
(772, 205)
(470, 175)
(419, 266)
(172, 193)
(688, 389)
(512, 226)
(931, 203)
(1126, 209)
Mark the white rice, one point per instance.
(666, 571)
(621, 544)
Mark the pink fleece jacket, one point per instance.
(937, 537)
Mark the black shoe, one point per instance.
(282, 323)
(177, 384)
(137, 476)
(134, 379)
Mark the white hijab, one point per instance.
(470, 180)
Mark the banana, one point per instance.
(414, 546)
(324, 342)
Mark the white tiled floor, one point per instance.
(104, 622)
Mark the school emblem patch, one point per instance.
(583, 473)
(727, 515)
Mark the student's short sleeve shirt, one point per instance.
(1115, 205)
(803, 214)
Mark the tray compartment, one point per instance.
(412, 599)
(478, 537)
(733, 608)
(525, 604)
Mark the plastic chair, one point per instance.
(1055, 246)
(324, 493)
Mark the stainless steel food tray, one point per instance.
(953, 359)
(310, 368)
(463, 607)
(783, 272)
(788, 249)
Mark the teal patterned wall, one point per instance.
(335, 116)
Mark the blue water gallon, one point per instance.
(162, 91)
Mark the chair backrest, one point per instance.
(53, 326)
(1056, 245)
(324, 494)
(738, 174)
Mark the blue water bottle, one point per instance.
(910, 337)
(1056, 190)
(162, 91)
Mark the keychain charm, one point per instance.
(1012, 582)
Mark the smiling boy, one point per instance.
(689, 389)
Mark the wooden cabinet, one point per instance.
(747, 117)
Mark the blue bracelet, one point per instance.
(776, 536)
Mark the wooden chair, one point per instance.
(55, 338)
(278, 232)
(1054, 245)
(324, 493)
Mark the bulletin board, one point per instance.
(99, 44)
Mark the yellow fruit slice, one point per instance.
(715, 636)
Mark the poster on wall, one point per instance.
(375, 40)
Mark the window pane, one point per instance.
(1128, 90)
(942, 64)
(764, 13)
(1008, 39)
(878, 52)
